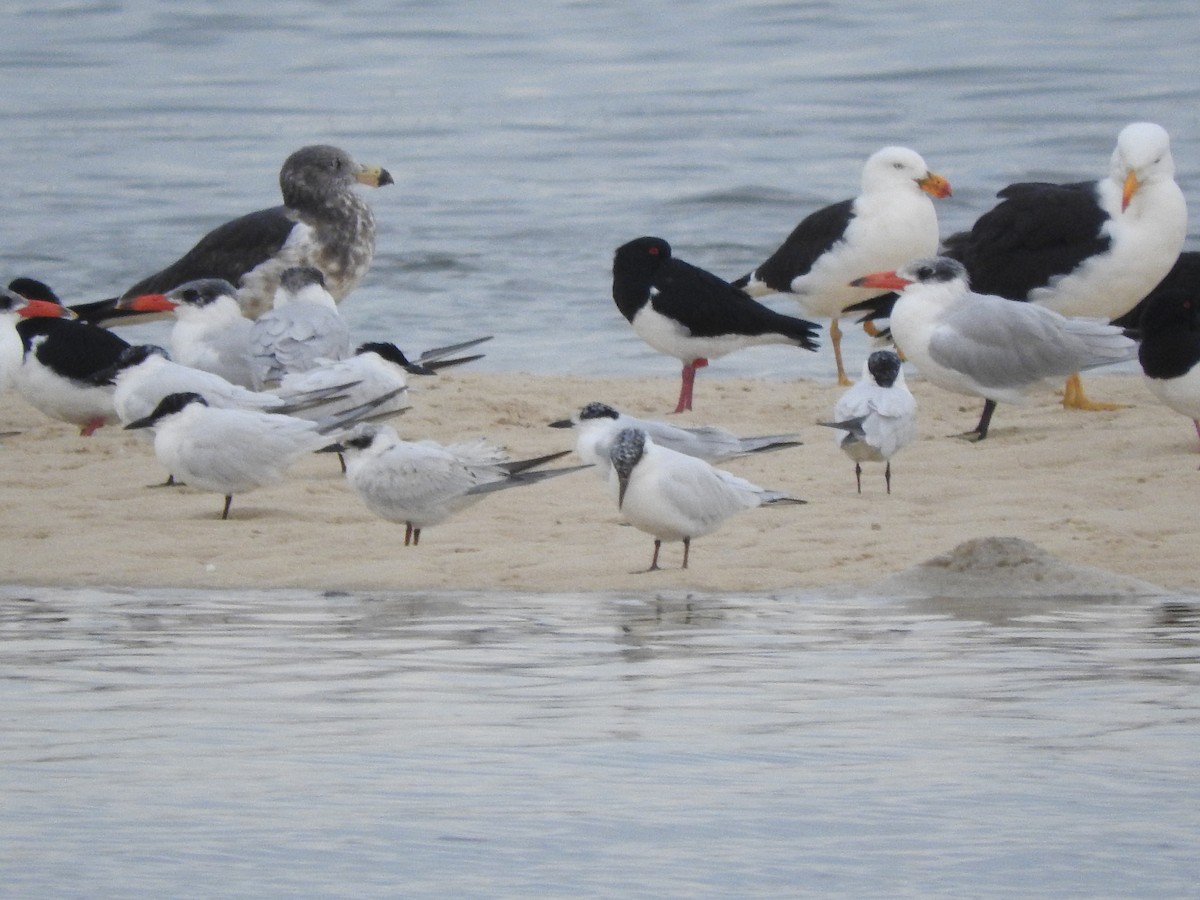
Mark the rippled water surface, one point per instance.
(179, 743)
(529, 140)
(182, 743)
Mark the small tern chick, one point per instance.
(876, 418)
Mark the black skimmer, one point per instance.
(686, 312)
(13, 308)
(877, 417)
(889, 223)
(60, 356)
(676, 497)
(95, 313)
(987, 346)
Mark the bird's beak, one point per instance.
(888, 281)
(44, 309)
(934, 185)
(622, 483)
(144, 422)
(562, 423)
(151, 303)
(1131, 186)
(374, 176)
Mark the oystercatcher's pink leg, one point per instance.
(689, 379)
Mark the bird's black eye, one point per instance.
(191, 296)
(897, 165)
(925, 272)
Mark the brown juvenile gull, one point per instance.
(323, 223)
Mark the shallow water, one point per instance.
(173, 743)
(527, 143)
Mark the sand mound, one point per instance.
(1008, 567)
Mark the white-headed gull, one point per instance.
(891, 221)
(1093, 248)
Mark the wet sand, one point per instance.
(1115, 490)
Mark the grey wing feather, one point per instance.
(438, 353)
(1004, 343)
(294, 338)
(522, 478)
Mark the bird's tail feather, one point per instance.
(525, 477)
(439, 353)
(769, 442)
(854, 426)
(778, 498)
(514, 466)
(355, 414)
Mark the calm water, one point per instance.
(191, 743)
(529, 141)
(172, 743)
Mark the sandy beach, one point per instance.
(1117, 490)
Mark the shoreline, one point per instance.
(1113, 490)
